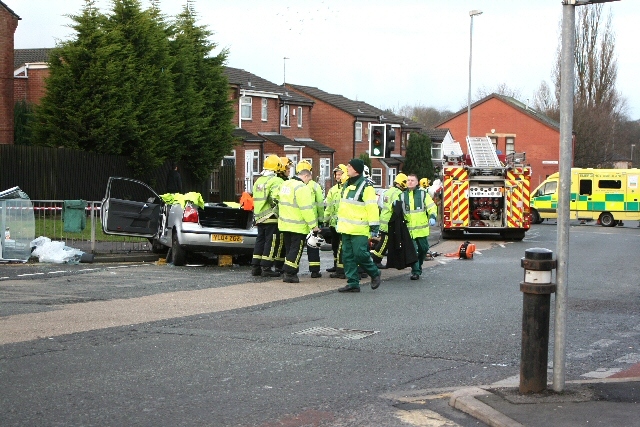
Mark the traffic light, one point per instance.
(377, 143)
(390, 141)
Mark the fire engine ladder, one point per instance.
(483, 154)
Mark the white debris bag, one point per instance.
(54, 252)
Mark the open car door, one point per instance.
(130, 208)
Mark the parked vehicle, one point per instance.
(132, 208)
(607, 195)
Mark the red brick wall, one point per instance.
(31, 89)
(539, 141)
(8, 25)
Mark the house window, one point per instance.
(376, 177)
(284, 115)
(265, 104)
(494, 141)
(358, 131)
(436, 151)
(245, 107)
(393, 172)
(299, 117)
(511, 145)
(325, 168)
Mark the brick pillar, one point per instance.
(8, 25)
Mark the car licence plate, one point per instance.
(226, 238)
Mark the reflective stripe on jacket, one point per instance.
(418, 206)
(296, 207)
(318, 195)
(331, 205)
(265, 197)
(358, 212)
(389, 197)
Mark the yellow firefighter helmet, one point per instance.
(303, 165)
(285, 162)
(401, 180)
(272, 163)
(424, 183)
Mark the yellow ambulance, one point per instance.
(607, 195)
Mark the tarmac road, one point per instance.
(157, 345)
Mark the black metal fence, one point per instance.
(46, 173)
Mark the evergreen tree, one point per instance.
(138, 65)
(201, 94)
(110, 89)
(418, 157)
(22, 113)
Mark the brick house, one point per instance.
(8, 24)
(345, 125)
(30, 69)
(513, 127)
(273, 120)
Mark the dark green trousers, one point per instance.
(422, 247)
(355, 252)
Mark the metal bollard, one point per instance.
(537, 288)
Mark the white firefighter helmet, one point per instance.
(315, 239)
(365, 172)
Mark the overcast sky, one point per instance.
(425, 43)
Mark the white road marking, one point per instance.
(601, 373)
(56, 272)
(629, 358)
(424, 418)
(603, 343)
(30, 274)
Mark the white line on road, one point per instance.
(57, 272)
(30, 274)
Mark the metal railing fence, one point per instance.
(49, 223)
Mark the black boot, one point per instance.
(267, 272)
(256, 270)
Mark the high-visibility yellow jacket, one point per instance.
(296, 207)
(265, 197)
(418, 207)
(331, 205)
(389, 197)
(318, 195)
(358, 212)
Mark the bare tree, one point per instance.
(599, 109)
(501, 89)
(426, 116)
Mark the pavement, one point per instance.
(610, 401)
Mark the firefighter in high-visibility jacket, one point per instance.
(389, 197)
(297, 216)
(279, 256)
(420, 212)
(313, 254)
(265, 199)
(358, 219)
(331, 220)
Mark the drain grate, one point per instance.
(323, 331)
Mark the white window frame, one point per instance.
(246, 101)
(358, 131)
(299, 117)
(436, 151)
(325, 168)
(284, 115)
(494, 141)
(510, 140)
(376, 177)
(391, 176)
(265, 109)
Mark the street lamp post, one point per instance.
(567, 82)
(472, 13)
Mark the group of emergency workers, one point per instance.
(288, 211)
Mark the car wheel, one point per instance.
(178, 254)
(606, 219)
(535, 217)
